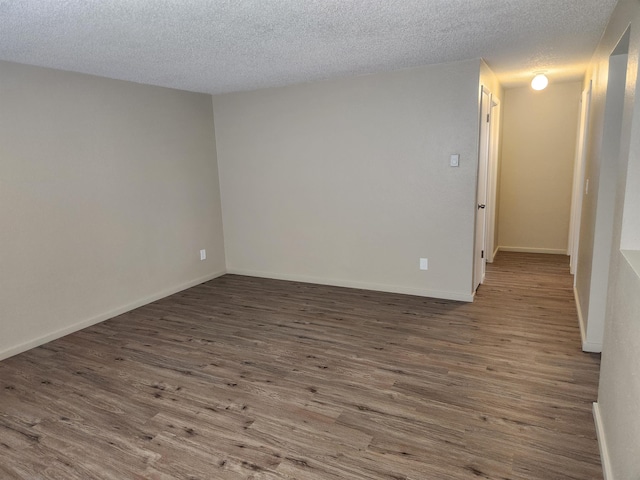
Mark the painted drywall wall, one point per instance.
(538, 151)
(619, 390)
(589, 188)
(599, 221)
(348, 182)
(108, 190)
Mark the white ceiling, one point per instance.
(217, 46)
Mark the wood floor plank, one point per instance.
(247, 378)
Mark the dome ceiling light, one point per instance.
(539, 82)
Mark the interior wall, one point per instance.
(618, 406)
(593, 147)
(598, 223)
(108, 190)
(348, 182)
(538, 152)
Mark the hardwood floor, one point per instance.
(245, 378)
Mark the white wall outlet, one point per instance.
(454, 162)
(203, 254)
(424, 264)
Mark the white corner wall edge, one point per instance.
(591, 347)
(23, 347)
(461, 297)
(553, 251)
(607, 471)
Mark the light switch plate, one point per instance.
(455, 160)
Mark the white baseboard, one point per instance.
(461, 297)
(23, 347)
(553, 251)
(586, 346)
(605, 459)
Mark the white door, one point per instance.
(481, 204)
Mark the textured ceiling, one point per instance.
(219, 46)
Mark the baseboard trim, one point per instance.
(605, 459)
(461, 297)
(36, 342)
(552, 251)
(586, 346)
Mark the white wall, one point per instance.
(108, 190)
(618, 403)
(538, 151)
(347, 182)
(597, 225)
(619, 389)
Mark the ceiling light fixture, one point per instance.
(539, 82)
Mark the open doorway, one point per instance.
(486, 188)
(492, 181)
(536, 167)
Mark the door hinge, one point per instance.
(482, 254)
(487, 118)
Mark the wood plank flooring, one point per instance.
(245, 378)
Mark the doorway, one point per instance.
(482, 203)
(492, 180)
(579, 180)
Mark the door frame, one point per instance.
(480, 231)
(494, 150)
